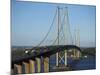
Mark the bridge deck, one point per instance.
(49, 51)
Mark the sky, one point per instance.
(30, 22)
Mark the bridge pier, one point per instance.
(17, 69)
(46, 64)
(65, 58)
(74, 53)
(57, 61)
(26, 67)
(77, 54)
(32, 66)
(38, 65)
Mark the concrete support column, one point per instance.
(74, 53)
(65, 57)
(38, 65)
(17, 69)
(46, 64)
(57, 61)
(32, 66)
(78, 54)
(26, 67)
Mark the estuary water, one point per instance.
(81, 64)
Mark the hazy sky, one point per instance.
(31, 21)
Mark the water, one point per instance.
(82, 64)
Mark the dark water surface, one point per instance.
(82, 64)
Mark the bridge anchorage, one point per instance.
(38, 58)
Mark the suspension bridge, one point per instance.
(38, 58)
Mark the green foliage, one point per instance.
(89, 51)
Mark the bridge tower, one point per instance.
(61, 57)
(77, 54)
